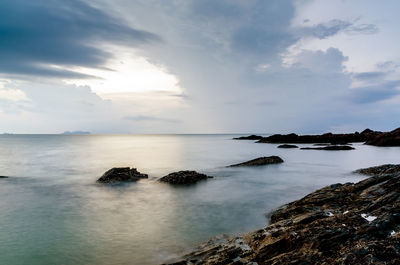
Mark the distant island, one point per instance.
(75, 132)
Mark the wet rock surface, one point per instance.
(386, 139)
(331, 138)
(121, 174)
(261, 161)
(330, 148)
(184, 177)
(339, 224)
(250, 137)
(287, 146)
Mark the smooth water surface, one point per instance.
(52, 211)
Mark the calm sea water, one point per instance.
(52, 211)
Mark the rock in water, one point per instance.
(339, 224)
(330, 148)
(121, 174)
(261, 161)
(386, 139)
(287, 146)
(250, 137)
(184, 177)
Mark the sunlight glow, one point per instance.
(127, 73)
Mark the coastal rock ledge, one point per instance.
(184, 177)
(121, 174)
(339, 224)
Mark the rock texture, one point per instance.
(330, 148)
(250, 137)
(339, 224)
(287, 146)
(386, 139)
(261, 161)
(184, 177)
(121, 174)
(323, 138)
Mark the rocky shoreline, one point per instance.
(367, 136)
(339, 224)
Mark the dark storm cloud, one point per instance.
(266, 30)
(35, 34)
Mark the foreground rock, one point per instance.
(184, 177)
(323, 138)
(121, 174)
(250, 137)
(386, 139)
(287, 146)
(330, 148)
(261, 161)
(339, 224)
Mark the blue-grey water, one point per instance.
(52, 211)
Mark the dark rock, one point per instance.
(184, 177)
(250, 137)
(322, 138)
(261, 161)
(379, 170)
(287, 146)
(3, 177)
(121, 174)
(330, 148)
(386, 139)
(339, 224)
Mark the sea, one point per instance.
(52, 210)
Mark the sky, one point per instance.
(191, 66)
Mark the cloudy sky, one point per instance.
(199, 66)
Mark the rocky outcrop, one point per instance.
(330, 148)
(121, 174)
(323, 138)
(184, 177)
(287, 146)
(261, 161)
(339, 224)
(386, 139)
(250, 137)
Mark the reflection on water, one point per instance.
(53, 212)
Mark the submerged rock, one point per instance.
(261, 161)
(386, 139)
(330, 148)
(184, 177)
(121, 174)
(287, 146)
(339, 224)
(250, 137)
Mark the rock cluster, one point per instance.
(261, 161)
(339, 224)
(121, 174)
(386, 139)
(287, 146)
(184, 177)
(365, 135)
(250, 137)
